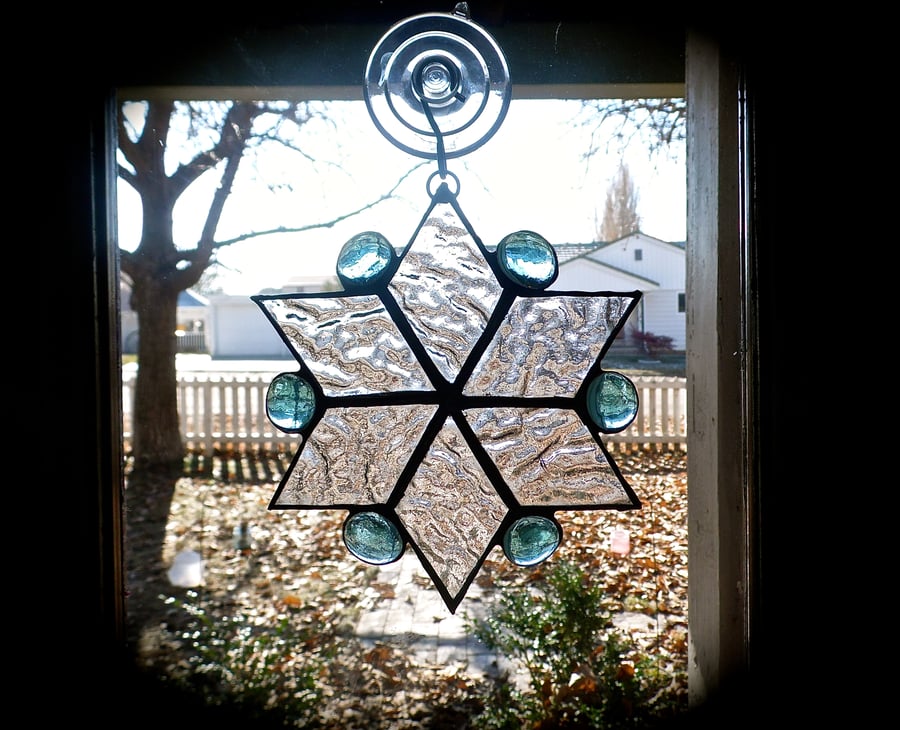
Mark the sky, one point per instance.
(529, 175)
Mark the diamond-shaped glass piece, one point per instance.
(547, 344)
(350, 344)
(451, 511)
(548, 457)
(354, 456)
(446, 289)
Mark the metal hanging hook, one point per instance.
(441, 154)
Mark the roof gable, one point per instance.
(638, 237)
(190, 298)
(567, 251)
(636, 260)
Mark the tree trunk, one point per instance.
(158, 451)
(157, 440)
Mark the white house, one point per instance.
(635, 262)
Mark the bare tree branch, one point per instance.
(231, 145)
(323, 224)
(658, 123)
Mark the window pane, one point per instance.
(265, 571)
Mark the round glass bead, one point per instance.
(290, 402)
(364, 258)
(612, 401)
(528, 259)
(531, 540)
(372, 538)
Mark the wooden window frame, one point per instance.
(732, 378)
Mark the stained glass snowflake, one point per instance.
(447, 401)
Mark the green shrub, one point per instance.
(261, 670)
(581, 673)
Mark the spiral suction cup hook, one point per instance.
(449, 63)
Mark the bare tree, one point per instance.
(159, 270)
(620, 210)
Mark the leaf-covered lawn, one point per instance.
(279, 616)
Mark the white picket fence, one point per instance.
(226, 412)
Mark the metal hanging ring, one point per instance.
(451, 64)
(444, 177)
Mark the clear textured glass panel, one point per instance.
(612, 401)
(531, 540)
(372, 538)
(528, 259)
(354, 456)
(446, 289)
(350, 344)
(546, 345)
(547, 456)
(450, 509)
(364, 258)
(290, 402)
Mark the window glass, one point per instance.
(243, 585)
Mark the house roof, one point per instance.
(190, 298)
(568, 251)
(624, 272)
(641, 234)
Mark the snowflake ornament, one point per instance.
(447, 401)
(444, 398)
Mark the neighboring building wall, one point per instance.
(659, 273)
(584, 274)
(239, 329)
(660, 261)
(191, 319)
(661, 316)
